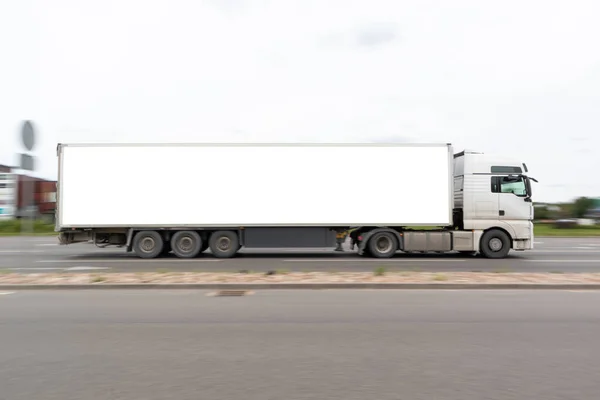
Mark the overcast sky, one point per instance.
(521, 78)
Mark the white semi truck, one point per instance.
(154, 199)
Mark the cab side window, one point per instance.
(505, 184)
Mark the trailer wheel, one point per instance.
(224, 244)
(383, 244)
(148, 244)
(186, 244)
(495, 244)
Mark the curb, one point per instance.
(312, 286)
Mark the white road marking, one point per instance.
(582, 251)
(135, 260)
(5, 293)
(538, 242)
(584, 291)
(563, 261)
(55, 268)
(19, 251)
(47, 244)
(413, 260)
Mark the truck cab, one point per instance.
(492, 192)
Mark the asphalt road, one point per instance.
(43, 254)
(350, 345)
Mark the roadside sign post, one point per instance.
(27, 163)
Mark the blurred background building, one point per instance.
(14, 199)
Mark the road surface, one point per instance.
(347, 345)
(43, 254)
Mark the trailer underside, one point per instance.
(379, 242)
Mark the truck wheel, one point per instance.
(495, 244)
(224, 244)
(148, 244)
(383, 245)
(186, 244)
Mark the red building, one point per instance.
(43, 199)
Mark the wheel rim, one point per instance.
(147, 244)
(224, 243)
(496, 244)
(185, 244)
(383, 244)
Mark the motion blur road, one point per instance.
(350, 345)
(44, 254)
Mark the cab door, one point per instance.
(513, 201)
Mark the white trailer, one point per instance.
(187, 198)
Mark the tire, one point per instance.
(148, 244)
(224, 244)
(186, 244)
(382, 244)
(495, 244)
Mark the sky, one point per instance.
(517, 78)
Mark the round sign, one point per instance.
(27, 135)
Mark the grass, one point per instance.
(98, 279)
(577, 231)
(440, 278)
(549, 230)
(42, 228)
(13, 227)
(379, 271)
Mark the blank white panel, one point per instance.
(254, 185)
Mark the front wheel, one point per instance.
(495, 244)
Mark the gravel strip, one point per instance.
(295, 277)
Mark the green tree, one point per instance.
(582, 206)
(541, 212)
